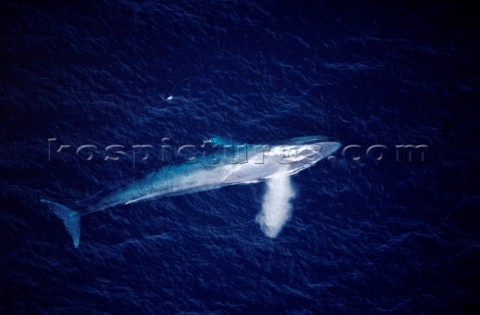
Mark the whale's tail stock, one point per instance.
(71, 219)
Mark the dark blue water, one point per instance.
(365, 237)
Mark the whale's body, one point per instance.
(253, 163)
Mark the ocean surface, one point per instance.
(368, 234)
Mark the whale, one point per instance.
(240, 163)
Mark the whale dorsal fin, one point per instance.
(223, 141)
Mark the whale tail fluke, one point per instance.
(71, 219)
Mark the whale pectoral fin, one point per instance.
(71, 219)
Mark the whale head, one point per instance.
(300, 156)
